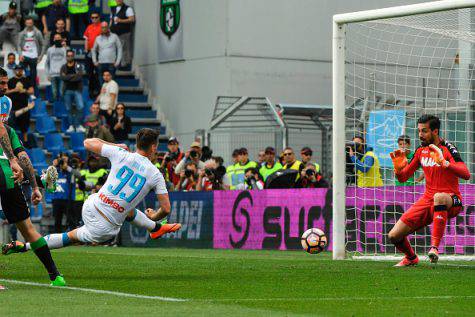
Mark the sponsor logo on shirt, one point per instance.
(428, 162)
(111, 203)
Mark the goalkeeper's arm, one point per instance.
(409, 170)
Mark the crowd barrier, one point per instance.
(275, 219)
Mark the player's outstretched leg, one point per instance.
(40, 247)
(442, 203)
(156, 229)
(398, 236)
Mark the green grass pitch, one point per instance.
(233, 283)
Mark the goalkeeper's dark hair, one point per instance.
(404, 138)
(3, 72)
(146, 138)
(434, 122)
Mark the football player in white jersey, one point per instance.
(131, 178)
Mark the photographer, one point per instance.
(365, 162)
(253, 180)
(211, 177)
(310, 178)
(172, 158)
(192, 155)
(65, 191)
(188, 178)
(93, 173)
(240, 167)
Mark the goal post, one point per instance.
(389, 67)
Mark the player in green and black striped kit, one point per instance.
(14, 162)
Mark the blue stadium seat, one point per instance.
(132, 97)
(87, 106)
(38, 159)
(85, 94)
(54, 143)
(39, 110)
(45, 125)
(77, 144)
(142, 113)
(59, 109)
(64, 124)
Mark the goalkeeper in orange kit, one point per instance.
(442, 166)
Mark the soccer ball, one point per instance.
(314, 240)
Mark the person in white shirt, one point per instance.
(107, 99)
(131, 178)
(30, 48)
(122, 19)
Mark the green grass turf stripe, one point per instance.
(97, 291)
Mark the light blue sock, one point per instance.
(55, 241)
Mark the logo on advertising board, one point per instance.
(169, 16)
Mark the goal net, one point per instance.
(390, 67)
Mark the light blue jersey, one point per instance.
(131, 178)
(5, 108)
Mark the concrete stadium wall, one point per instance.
(275, 48)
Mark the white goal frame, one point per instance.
(339, 22)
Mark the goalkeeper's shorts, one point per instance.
(420, 214)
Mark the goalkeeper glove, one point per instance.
(438, 156)
(399, 160)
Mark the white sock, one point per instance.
(141, 220)
(55, 241)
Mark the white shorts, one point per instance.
(96, 228)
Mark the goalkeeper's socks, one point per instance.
(404, 246)
(139, 219)
(439, 224)
(40, 247)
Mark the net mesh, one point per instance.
(396, 70)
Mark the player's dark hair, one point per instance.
(146, 138)
(11, 54)
(404, 138)
(434, 122)
(3, 72)
(70, 51)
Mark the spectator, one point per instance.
(121, 125)
(172, 158)
(40, 9)
(366, 164)
(78, 12)
(30, 48)
(310, 178)
(188, 178)
(291, 162)
(261, 158)
(122, 20)
(107, 99)
(11, 64)
(306, 157)
(79, 182)
(107, 51)
(55, 59)
(112, 3)
(56, 11)
(208, 179)
(404, 143)
(94, 109)
(253, 180)
(240, 167)
(230, 168)
(192, 155)
(206, 153)
(19, 89)
(60, 28)
(71, 75)
(270, 165)
(92, 32)
(26, 7)
(96, 130)
(10, 28)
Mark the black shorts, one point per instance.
(14, 205)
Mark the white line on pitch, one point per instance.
(313, 299)
(96, 291)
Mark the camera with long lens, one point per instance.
(351, 145)
(74, 163)
(210, 172)
(309, 172)
(193, 154)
